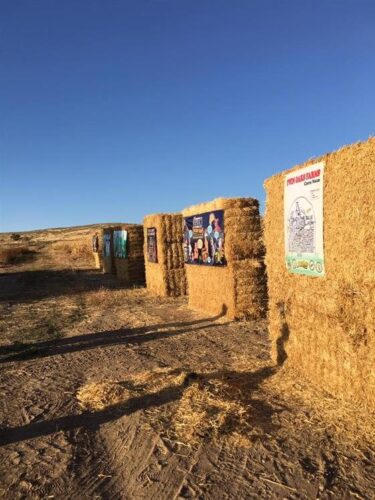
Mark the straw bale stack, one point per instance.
(239, 288)
(108, 260)
(131, 270)
(166, 276)
(324, 327)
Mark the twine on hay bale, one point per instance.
(166, 277)
(238, 289)
(324, 327)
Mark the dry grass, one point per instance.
(212, 409)
(75, 251)
(50, 319)
(348, 423)
(233, 405)
(105, 297)
(101, 395)
(54, 249)
(209, 406)
(15, 254)
(98, 396)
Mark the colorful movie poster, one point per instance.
(119, 244)
(107, 245)
(152, 251)
(204, 239)
(303, 221)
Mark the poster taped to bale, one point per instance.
(204, 239)
(107, 245)
(303, 220)
(152, 253)
(119, 243)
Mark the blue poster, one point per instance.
(204, 239)
(119, 243)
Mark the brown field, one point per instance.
(108, 392)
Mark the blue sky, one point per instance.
(110, 110)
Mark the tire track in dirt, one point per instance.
(44, 389)
(125, 453)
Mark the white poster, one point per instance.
(303, 220)
(107, 245)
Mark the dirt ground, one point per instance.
(110, 393)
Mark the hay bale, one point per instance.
(130, 267)
(324, 327)
(239, 287)
(165, 270)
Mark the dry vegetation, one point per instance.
(75, 251)
(50, 249)
(15, 254)
(108, 392)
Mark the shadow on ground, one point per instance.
(130, 336)
(31, 286)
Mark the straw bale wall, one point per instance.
(238, 289)
(324, 326)
(166, 277)
(131, 270)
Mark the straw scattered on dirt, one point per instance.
(142, 395)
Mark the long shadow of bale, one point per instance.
(93, 420)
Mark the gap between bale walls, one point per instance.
(166, 277)
(239, 289)
(324, 327)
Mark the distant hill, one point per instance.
(54, 248)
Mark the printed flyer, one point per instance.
(152, 253)
(119, 243)
(204, 239)
(107, 245)
(303, 220)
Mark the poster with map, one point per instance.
(303, 220)
(119, 244)
(204, 239)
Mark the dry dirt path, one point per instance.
(182, 406)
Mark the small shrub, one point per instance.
(14, 255)
(15, 236)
